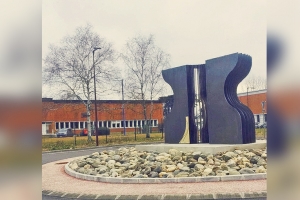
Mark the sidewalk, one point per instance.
(55, 182)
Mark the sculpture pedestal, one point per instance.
(202, 147)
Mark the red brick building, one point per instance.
(57, 114)
(254, 101)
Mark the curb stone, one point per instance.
(247, 195)
(242, 177)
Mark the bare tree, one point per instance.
(144, 62)
(254, 83)
(70, 65)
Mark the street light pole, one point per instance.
(263, 104)
(123, 112)
(96, 115)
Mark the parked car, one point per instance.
(257, 125)
(65, 132)
(102, 131)
(262, 125)
(84, 132)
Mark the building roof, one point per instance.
(98, 101)
(252, 92)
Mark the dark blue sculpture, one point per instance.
(224, 119)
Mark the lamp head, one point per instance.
(96, 48)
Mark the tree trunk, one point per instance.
(146, 121)
(89, 122)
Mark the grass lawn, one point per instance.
(50, 144)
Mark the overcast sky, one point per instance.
(190, 31)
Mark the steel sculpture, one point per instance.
(224, 120)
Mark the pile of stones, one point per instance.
(130, 163)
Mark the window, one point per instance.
(122, 123)
(134, 123)
(257, 118)
(62, 125)
(118, 124)
(109, 124)
(130, 122)
(155, 122)
(85, 125)
(104, 124)
(113, 125)
(265, 117)
(76, 125)
(56, 125)
(126, 123)
(81, 125)
(139, 123)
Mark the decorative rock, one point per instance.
(230, 163)
(170, 176)
(81, 163)
(249, 155)
(261, 161)
(224, 166)
(207, 171)
(102, 170)
(233, 172)
(177, 158)
(114, 174)
(182, 174)
(237, 151)
(174, 152)
(179, 165)
(153, 174)
(228, 155)
(157, 169)
(87, 166)
(128, 163)
(202, 162)
(96, 154)
(198, 167)
(111, 163)
(191, 165)
(261, 169)
(96, 164)
(254, 159)
(246, 171)
(171, 168)
(161, 158)
(81, 170)
(210, 162)
(161, 174)
(185, 169)
(73, 165)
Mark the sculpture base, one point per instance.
(202, 147)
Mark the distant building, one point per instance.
(57, 114)
(254, 100)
